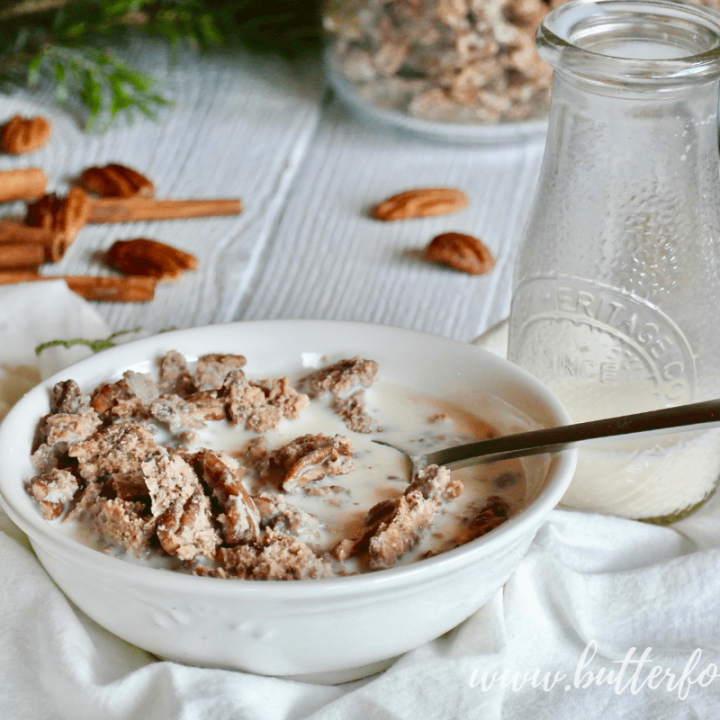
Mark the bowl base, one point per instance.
(338, 677)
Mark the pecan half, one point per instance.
(23, 135)
(422, 202)
(312, 457)
(221, 474)
(149, 257)
(65, 215)
(461, 252)
(116, 180)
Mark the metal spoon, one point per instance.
(535, 442)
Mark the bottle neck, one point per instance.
(601, 118)
(621, 172)
(640, 45)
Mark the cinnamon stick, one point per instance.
(21, 255)
(26, 184)
(53, 242)
(104, 289)
(114, 210)
(12, 277)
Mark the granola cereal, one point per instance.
(353, 412)
(394, 526)
(116, 452)
(130, 396)
(52, 490)
(341, 377)
(185, 526)
(175, 413)
(122, 523)
(457, 61)
(212, 370)
(204, 469)
(261, 405)
(274, 556)
(480, 519)
(174, 376)
(411, 514)
(277, 513)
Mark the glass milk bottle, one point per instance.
(616, 303)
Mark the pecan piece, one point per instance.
(65, 215)
(221, 474)
(116, 180)
(273, 556)
(401, 530)
(212, 369)
(351, 411)
(422, 202)
(184, 518)
(312, 457)
(340, 377)
(482, 518)
(461, 252)
(53, 490)
(391, 528)
(525, 13)
(149, 257)
(492, 514)
(434, 482)
(23, 135)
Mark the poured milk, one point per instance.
(641, 477)
(647, 478)
(380, 472)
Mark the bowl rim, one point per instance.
(42, 532)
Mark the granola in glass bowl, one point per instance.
(463, 69)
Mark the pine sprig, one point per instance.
(106, 85)
(94, 345)
(74, 44)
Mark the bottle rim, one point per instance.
(654, 43)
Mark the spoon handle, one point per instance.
(535, 442)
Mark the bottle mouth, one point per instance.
(666, 43)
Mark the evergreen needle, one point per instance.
(75, 45)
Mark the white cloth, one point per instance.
(589, 584)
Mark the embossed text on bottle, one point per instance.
(600, 349)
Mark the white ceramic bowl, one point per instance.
(328, 630)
